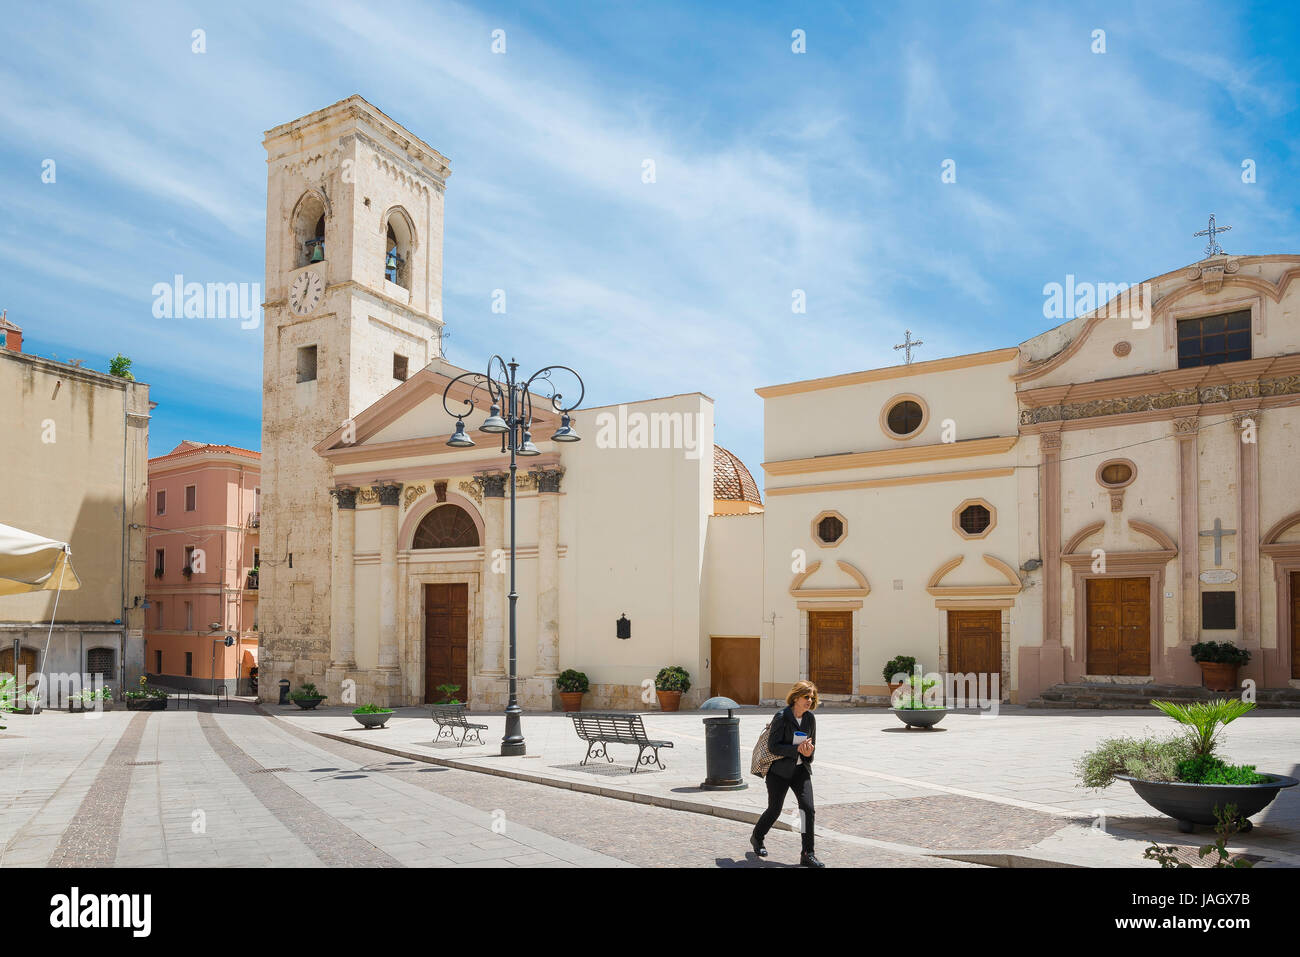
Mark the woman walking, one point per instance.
(792, 739)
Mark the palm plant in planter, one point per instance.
(1219, 661)
(898, 665)
(572, 686)
(916, 701)
(670, 684)
(1182, 776)
(307, 697)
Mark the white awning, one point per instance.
(31, 563)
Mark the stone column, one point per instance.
(548, 572)
(389, 494)
(1189, 544)
(343, 638)
(494, 571)
(1052, 657)
(1247, 424)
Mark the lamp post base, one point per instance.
(512, 745)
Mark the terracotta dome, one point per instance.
(733, 484)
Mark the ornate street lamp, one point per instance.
(511, 417)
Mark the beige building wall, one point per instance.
(76, 447)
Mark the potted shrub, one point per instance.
(372, 716)
(670, 683)
(1219, 661)
(307, 697)
(145, 698)
(573, 685)
(1183, 776)
(916, 702)
(898, 665)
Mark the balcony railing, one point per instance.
(251, 582)
(254, 519)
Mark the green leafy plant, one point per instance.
(898, 665)
(673, 678)
(1209, 769)
(1228, 824)
(914, 692)
(1147, 759)
(1204, 720)
(6, 694)
(306, 691)
(572, 682)
(120, 366)
(1222, 652)
(372, 709)
(448, 694)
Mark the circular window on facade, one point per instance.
(1116, 474)
(829, 529)
(974, 518)
(904, 416)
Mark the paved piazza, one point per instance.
(270, 786)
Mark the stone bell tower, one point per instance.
(354, 207)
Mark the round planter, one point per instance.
(1219, 675)
(308, 704)
(1192, 804)
(920, 717)
(146, 704)
(669, 700)
(372, 720)
(571, 700)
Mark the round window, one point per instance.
(830, 529)
(974, 519)
(1116, 473)
(905, 417)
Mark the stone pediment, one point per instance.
(856, 587)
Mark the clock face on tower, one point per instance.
(306, 293)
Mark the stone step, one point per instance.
(1096, 695)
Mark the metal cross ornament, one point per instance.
(1212, 248)
(908, 344)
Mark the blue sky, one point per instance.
(775, 171)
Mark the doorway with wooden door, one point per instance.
(975, 642)
(26, 659)
(830, 651)
(446, 641)
(733, 668)
(1118, 619)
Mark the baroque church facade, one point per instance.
(1084, 506)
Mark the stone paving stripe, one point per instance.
(335, 844)
(91, 838)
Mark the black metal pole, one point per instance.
(512, 745)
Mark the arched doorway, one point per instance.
(446, 606)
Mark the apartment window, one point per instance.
(158, 564)
(306, 363)
(158, 621)
(188, 567)
(189, 616)
(157, 662)
(399, 367)
(161, 499)
(1210, 340)
(190, 493)
(189, 664)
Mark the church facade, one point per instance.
(1084, 506)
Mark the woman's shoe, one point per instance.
(809, 859)
(757, 845)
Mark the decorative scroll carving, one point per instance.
(473, 489)
(367, 496)
(413, 492)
